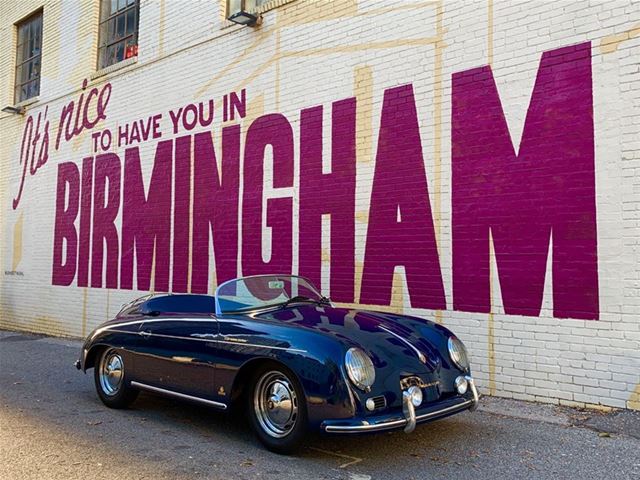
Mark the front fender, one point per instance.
(323, 380)
(316, 362)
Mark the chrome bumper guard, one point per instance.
(411, 419)
(409, 412)
(474, 391)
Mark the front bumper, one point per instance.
(407, 419)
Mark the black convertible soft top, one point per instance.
(169, 303)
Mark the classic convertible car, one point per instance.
(273, 345)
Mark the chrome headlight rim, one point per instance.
(360, 368)
(458, 353)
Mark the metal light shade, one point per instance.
(243, 18)
(12, 109)
(239, 11)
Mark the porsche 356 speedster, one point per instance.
(273, 346)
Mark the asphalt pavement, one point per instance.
(53, 426)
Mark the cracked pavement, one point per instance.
(53, 426)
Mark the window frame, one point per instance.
(24, 62)
(103, 46)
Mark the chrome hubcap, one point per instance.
(111, 372)
(275, 404)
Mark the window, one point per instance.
(28, 58)
(118, 31)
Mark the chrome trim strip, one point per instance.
(183, 396)
(157, 320)
(209, 340)
(395, 423)
(148, 320)
(348, 386)
(210, 336)
(452, 408)
(146, 334)
(421, 356)
(364, 428)
(255, 345)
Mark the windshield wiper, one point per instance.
(297, 299)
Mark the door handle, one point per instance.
(145, 334)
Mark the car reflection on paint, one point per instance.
(273, 346)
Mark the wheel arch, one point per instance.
(240, 383)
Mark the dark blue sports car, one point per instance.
(274, 346)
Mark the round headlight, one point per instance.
(359, 368)
(458, 353)
(461, 385)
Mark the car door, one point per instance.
(177, 353)
(242, 339)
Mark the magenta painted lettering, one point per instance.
(528, 201)
(543, 194)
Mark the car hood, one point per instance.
(409, 343)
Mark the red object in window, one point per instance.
(131, 51)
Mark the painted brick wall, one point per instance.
(440, 122)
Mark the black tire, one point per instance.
(111, 381)
(280, 425)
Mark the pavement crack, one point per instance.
(353, 461)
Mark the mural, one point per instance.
(528, 202)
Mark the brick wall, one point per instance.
(475, 163)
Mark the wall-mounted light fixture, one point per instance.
(241, 12)
(12, 109)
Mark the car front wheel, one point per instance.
(277, 409)
(111, 380)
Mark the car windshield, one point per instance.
(263, 291)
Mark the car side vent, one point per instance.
(379, 401)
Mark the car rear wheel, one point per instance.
(278, 411)
(111, 380)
